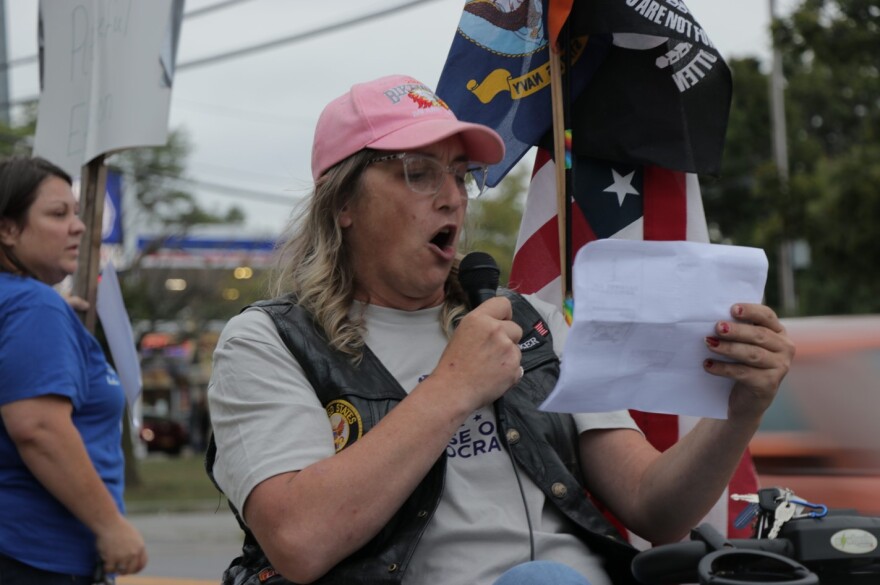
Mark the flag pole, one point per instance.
(559, 155)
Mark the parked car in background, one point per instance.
(163, 434)
(821, 437)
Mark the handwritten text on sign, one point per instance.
(103, 78)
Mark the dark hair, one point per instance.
(19, 179)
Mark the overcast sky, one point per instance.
(250, 119)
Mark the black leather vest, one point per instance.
(545, 446)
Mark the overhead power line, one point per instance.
(217, 171)
(230, 191)
(196, 12)
(246, 50)
(18, 61)
(252, 195)
(9, 64)
(232, 112)
(262, 46)
(234, 54)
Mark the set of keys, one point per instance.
(771, 508)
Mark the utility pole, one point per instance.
(4, 68)
(787, 296)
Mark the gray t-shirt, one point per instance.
(268, 421)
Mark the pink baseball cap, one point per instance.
(394, 113)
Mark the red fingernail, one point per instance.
(724, 327)
(712, 341)
(708, 363)
(738, 310)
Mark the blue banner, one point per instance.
(111, 228)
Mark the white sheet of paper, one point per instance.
(120, 338)
(641, 312)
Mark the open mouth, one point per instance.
(444, 238)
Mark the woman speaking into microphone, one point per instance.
(373, 426)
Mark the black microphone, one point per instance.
(478, 274)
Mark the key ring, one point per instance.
(819, 510)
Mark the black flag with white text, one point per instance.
(662, 94)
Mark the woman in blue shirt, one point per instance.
(61, 403)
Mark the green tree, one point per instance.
(156, 175)
(733, 202)
(830, 53)
(833, 74)
(18, 139)
(167, 210)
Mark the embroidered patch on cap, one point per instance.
(346, 423)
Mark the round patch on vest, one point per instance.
(346, 423)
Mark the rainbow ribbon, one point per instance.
(568, 149)
(568, 310)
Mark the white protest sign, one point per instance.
(105, 72)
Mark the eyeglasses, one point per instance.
(424, 174)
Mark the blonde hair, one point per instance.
(314, 264)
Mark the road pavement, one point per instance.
(186, 548)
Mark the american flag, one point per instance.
(541, 328)
(614, 200)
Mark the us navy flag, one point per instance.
(498, 73)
